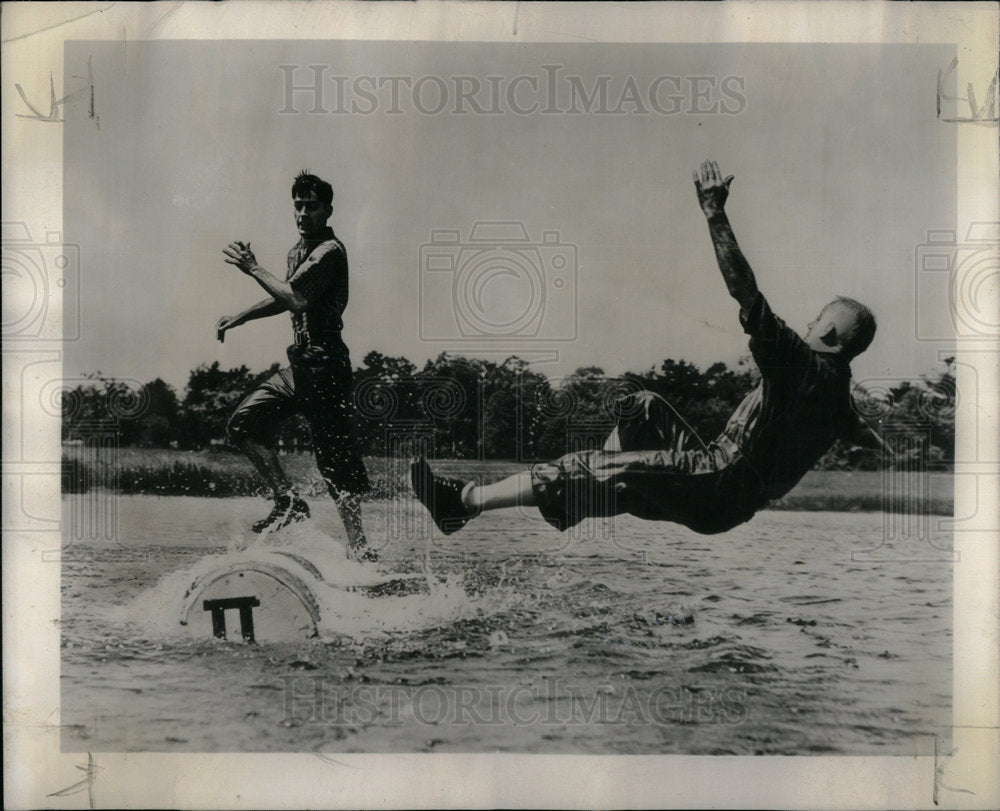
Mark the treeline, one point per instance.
(467, 408)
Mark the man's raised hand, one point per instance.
(240, 255)
(712, 188)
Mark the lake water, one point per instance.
(784, 636)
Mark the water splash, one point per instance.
(342, 588)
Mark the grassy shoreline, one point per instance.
(163, 472)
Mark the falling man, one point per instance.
(655, 467)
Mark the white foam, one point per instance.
(346, 610)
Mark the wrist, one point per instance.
(715, 214)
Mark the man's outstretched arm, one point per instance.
(712, 193)
(262, 309)
(241, 256)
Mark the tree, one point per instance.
(469, 408)
(510, 393)
(705, 399)
(83, 408)
(107, 404)
(158, 424)
(922, 413)
(450, 388)
(385, 397)
(210, 398)
(927, 408)
(576, 413)
(939, 408)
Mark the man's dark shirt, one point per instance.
(802, 405)
(317, 268)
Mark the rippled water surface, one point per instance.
(781, 637)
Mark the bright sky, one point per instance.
(841, 169)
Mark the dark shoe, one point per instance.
(297, 511)
(441, 496)
(287, 509)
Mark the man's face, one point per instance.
(310, 214)
(826, 332)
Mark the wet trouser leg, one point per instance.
(323, 385)
(253, 424)
(661, 471)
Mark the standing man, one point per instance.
(654, 467)
(317, 382)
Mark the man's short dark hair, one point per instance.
(305, 183)
(858, 339)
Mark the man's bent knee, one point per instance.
(242, 429)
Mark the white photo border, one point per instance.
(35, 768)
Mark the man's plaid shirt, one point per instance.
(317, 268)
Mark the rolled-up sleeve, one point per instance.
(322, 269)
